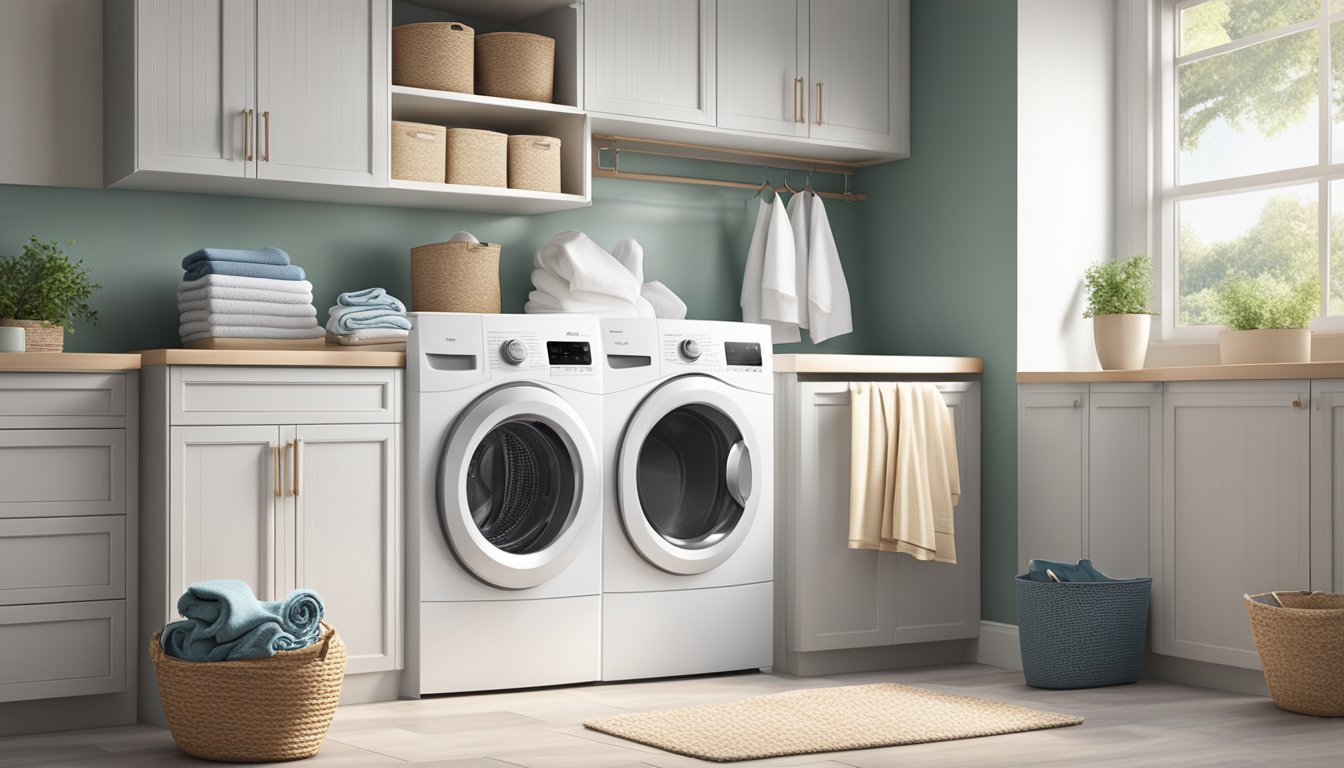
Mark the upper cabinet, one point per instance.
(261, 89)
(651, 58)
(821, 78)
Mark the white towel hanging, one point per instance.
(798, 209)
(828, 304)
(768, 292)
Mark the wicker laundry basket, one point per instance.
(477, 157)
(534, 163)
(515, 65)
(39, 336)
(419, 151)
(455, 277)
(436, 55)
(1082, 634)
(1300, 637)
(260, 710)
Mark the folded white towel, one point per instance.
(828, 308)
(268, 321)
(771, 234)
(229, 306)
(225, 293)
(779, 292)
(368, 336)
(246, 332)
(799, 209)
(665, 303)
(246, 283)
(631, 256)
(586, 267)
(558, 296)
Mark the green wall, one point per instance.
(941, 231)
(695, 240)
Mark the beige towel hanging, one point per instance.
(904, 477)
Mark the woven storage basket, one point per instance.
(437, 55)
(1082, 634)
(534, 163)
(477, 157)
(515, 65)
(39, 336)
(260, 710)
(1300, 637)
(419, 151)
(455, 277)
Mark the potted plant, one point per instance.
(44, 292)
(1268, 318)
(1117, 302)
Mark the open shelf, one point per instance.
(462, 197)
(466, 110)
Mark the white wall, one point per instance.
(1065, 174)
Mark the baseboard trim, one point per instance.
(998, 646)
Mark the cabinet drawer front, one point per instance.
(207, 395)
(48, 560)
(66, 649)
(62, 399)
(62, 472)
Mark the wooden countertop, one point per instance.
(67, 362)
(1332, 369)
(299, 358)
(897, 365)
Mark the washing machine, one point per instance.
(688, 518)
(503, 502)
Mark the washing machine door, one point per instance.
(518, 486)
(686, 475)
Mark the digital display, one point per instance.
(742, 353)
(569, 352)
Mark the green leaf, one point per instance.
(1119, 287)
(1267, 301)
(44, 284)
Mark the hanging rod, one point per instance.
(677, 150)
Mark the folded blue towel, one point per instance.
(243, 255)
(346, 320)
(1083, 570)
(225, 622)
(243, 269)
(371, 297)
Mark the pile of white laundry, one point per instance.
(794, 279)
(571, 273)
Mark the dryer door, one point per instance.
(518, 485)
(686, 475)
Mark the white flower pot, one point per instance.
(1265, 345)
(1122, 340)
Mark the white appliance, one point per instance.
(688, 518)
(503, 491)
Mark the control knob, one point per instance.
(689, 349)
(513, 351)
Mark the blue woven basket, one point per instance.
(1082, 634)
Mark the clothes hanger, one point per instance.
(765, 184)
(788, 188)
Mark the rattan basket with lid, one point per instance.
(419, 151)
(455, 277)
(478, 157)
(534, 163)
(515, 65)
(437, 55)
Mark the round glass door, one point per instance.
(685, 475)
(517, 486)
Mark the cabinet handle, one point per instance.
(797, 99)
(275, 449)
(1076, 403)
(247, 144)
(298, 446)
(1297, 403)
(819, 85)
(266, 146)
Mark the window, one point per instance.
(1250, 140)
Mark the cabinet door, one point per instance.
(1052, 461)
(937, 601)
(1235, 512)
(346, 534)
(762, 66)
(1124, 476)
(843, 598)
(1327, 485)
(322, 91)
(222, 511)
(194, 66)
(650, 58)
(857, 59)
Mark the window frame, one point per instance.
(1161, 128)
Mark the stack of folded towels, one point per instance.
(226, 622)
(251, 294)
(370, 316)
(571, 273)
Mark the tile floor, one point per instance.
(1151, 724)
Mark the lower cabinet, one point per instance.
(831, 597)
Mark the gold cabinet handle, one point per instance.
(275, 450)
(797, 88)
(819, 85)
(266, 145)
(294, 488)
(247, 146)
